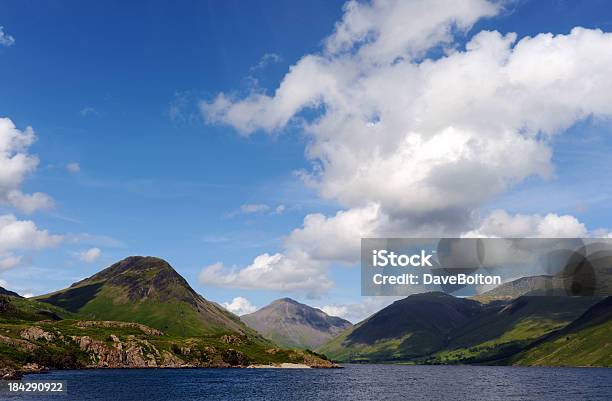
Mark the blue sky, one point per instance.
(116, 88)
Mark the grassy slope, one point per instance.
(146, 290)
(585, 342)
(500, 333)
(410, 328)
(496, 333)
(22, 314)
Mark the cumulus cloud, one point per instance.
(287, 272)
(89, 255)
(502, 224)
(6, 39)
(19, 235)
(15, 164)
(240, 306)
(409, 143)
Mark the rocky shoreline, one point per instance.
(119, 350)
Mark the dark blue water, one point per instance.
(354, 383)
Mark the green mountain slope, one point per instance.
(410, 328)
(146, 290)
(31, 342)
(295, 325)
(437, 328)
(587, 341)
(503, 329)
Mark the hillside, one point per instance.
(295, 325)
(587, 341)
(437, 328)
(4, 291)
(533, 285)
(146, 290)
(504, 329)
(137, 313)
(412, 327)
(28, 345)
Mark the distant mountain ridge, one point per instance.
(4, 291)
(296, 325)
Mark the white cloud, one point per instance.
(73, 167)
(292, 272)
(19, 235)
(8, 260)
(15, 164)
(254, 208)
(266, 60)
(280, 209)
(29, 203)
(408, 144)
(335, 310)
(23, 234)
(240, 306)
(502, 224)
(90, 255)
(6, 39)
(88, 111)
(355, 312)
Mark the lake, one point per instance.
(353, 383)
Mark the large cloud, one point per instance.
(15, 164)
(426, 140)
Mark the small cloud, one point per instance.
(6, 40)
(90, 255)
(183, 108)
(29, 203)
(240, 306)
(280, 209)
(8, 261)
(215, 239)
(88, 111)
(335, 310)
(94, 240)
(266, 60)
(28, 295)
(250, 208)
(73, 167)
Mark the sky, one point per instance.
(252, 144)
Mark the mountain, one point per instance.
(584, 342)
(437, 328)
(9, 293)
(412, 327)
(146, 290)
(295, 325)
(532, 285)
(137, 313)
(506, 328)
